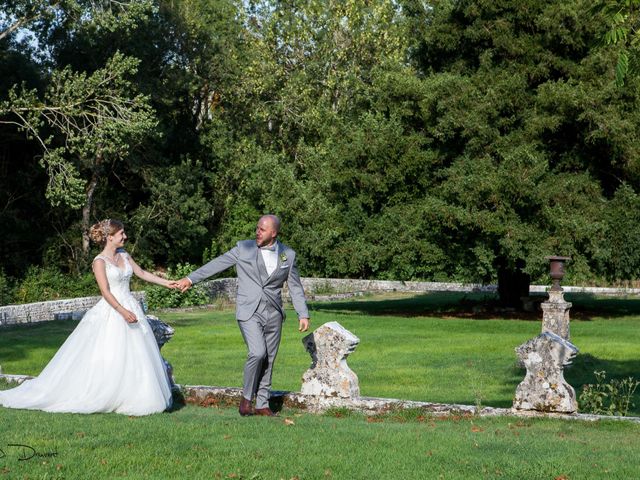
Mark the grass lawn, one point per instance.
(199, 443)
(427, 347)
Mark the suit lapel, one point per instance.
(258, 265)
(278, 252)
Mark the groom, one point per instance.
(263, 266)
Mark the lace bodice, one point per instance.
(118, 278)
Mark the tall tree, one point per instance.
(516, 109)
(96, 118)
(621, 22)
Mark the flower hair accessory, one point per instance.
(105, 227)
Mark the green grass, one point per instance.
(429, 347)
(196, 442)
(426, 348)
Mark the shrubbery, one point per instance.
(6, 293)
(45, 283)
(161, 297)
(608, 398)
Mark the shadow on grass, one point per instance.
(581, 371)
(587, 306)
(481, 306)
(440, 303)
(16, 341)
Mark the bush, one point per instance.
(45, 283)
(6, 293)
(612, 398)
(161, 297)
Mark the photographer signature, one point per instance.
(23, 452)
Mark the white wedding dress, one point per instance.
(106, 364)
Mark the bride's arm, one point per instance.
(100, 272)
(148, 276)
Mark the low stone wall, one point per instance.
(343, 288)
(315, 289)
(73, 308)
(337, 288)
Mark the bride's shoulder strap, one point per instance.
(98, 257)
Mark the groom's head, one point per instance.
(267, 230)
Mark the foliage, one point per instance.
(6, 290)
(161, 297)
(95, 114)
(459, 140)
(622, 21)
(524, 165)
(608, 398)
(46, 283)
(175, 221)
(621, 252)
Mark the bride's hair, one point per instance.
(99, 232)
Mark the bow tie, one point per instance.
(271, 248)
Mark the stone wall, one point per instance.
(73, 308)
(341, 287)
(315, 288)
(226, 288)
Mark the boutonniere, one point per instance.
(283, 257)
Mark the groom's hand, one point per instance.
(304, 324)
(183, 284)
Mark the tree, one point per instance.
(622, 21)
(514, 109)
(84, 124)
(20, 14)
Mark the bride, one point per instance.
(111, 361)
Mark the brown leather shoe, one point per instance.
(265, 412)
(246, 408)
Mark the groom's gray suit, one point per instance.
(259, 308)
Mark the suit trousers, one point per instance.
(261, 334)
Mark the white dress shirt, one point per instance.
(270, 258)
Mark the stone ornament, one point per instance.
(329, 374)
(544, 388)
(555, 315)
(163, 334)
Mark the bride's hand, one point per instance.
(173, 284)
(128, 315)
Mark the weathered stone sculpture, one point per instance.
(163, 334)
(544, 387)
(555, 314)
(329, 374)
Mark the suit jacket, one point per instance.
(253, 283)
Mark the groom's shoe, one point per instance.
(265, 412)
(246, 408)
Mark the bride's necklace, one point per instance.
(113, 258)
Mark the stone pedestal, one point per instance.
(329, 374)
(555, 315)
(544, 388)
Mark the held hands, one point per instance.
(183, 284)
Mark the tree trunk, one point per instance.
(86, 214)
(513, 284)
